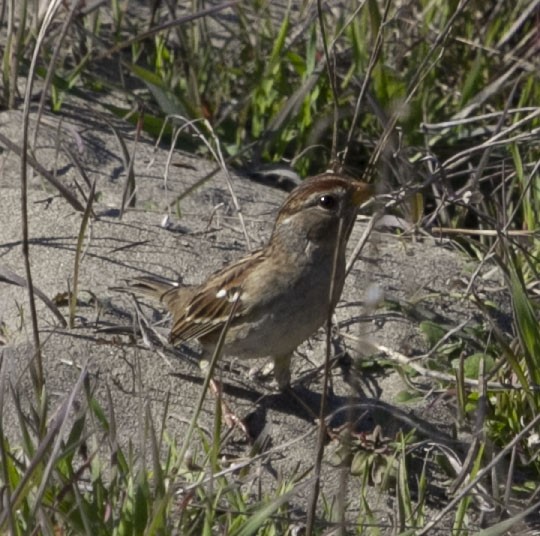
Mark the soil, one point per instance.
(395, 287)
(418, 276)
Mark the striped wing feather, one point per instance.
(210, 304)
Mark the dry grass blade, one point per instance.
(78, 254)
(405, 361)
(12, 55)
(56, 431)
(37, 364)
(66, 193)
(4, 453)
(7, 276)
(498, 140)
(129, 195)
(528, 11)
(331, 71)
(362, 242)
(480, 475)
(80, 168)
(50, 69)
(481, 232)
(506, 526)
(374, 56)
(218, 156)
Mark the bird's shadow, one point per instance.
(361, 412)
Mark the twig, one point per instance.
(322, 432)
(480, 232)
(400, 359)
(362, 242)
(37, 363)
(332, 79)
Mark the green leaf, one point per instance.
(471, 364)
(169, 103)
(403, 397)
(433, 332)
(526, 322)
(473, 80)
(279, 43)
(140, 510)
(255, 522)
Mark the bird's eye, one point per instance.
(327, 202)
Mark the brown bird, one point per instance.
(280, 293)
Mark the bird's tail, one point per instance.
(150, 287)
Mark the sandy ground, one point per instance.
(419, 274)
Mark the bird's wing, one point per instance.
(211, 303)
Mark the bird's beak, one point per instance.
(363, 192)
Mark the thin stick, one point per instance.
(362, 242)
(400, 359)
(321, 436)
(332, 79)
(207, 380)
(374, 56)
(37, 363)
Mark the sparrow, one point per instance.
(279, 295)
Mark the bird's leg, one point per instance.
(231, 419)
(282, 371)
